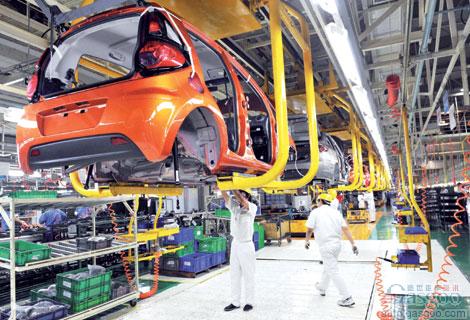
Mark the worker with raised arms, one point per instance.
(243, 210)
(328, 225)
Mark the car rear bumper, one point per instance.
(82, 151)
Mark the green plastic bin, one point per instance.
(25, 252)
(188, 249)
(223, 213)
(212, 244)
(83, 284)
(261, 237)
(34, 194)
(87, 304)
(198, 232)
(76, 297)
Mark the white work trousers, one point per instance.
(242, 269)
(371, 207)
(329, 253)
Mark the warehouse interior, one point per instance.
(238, 159)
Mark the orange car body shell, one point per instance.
(147, 110)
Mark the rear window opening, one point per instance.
(91, 56)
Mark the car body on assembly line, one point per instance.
(134, 93)
(333, 168)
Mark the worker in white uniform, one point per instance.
(328, 224)
(242, 255)
(369, 197)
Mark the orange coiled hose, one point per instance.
(124, 260)
(431, 305)
(384, 313)
(156, 273)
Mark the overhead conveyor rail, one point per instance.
(303, 39)
(281, 12)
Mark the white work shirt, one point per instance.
(242, 220)
(326, 223)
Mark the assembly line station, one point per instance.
(234, 159)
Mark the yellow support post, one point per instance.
(238, 182)
(424, 220)
(303, 39)
(370, 158)
(356, 148)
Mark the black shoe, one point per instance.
(230, 307)
(247, 307)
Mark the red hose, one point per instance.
(126, 264)
(156, 272)
(384, 313)
(124, 260)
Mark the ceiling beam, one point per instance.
(14, 90)
(458, 48)
(22, 35)
(389, 41)
(379, 20)
(22, 19)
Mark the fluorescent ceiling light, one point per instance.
(13, 114)
(339, 41)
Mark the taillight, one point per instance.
(35, 153)
(157, 54)
(32, 86)
(154, 27)
(322, 148)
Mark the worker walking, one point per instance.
(327, 223)
(369, 197)
(242, 254)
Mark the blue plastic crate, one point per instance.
(144, 224)
(408, 257)
(256, 244)
(185, 235)
(217, 258)
(195, 262)
(415, 230)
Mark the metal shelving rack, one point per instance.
(60, 255)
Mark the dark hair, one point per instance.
(248, 197)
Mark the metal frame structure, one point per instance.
(61, 256)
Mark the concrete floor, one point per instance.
(285, 278)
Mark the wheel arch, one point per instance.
(201, 132)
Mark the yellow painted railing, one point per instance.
(303, 39)
(239, 182)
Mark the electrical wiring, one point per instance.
(442, 279)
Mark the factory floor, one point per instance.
(285, 276)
